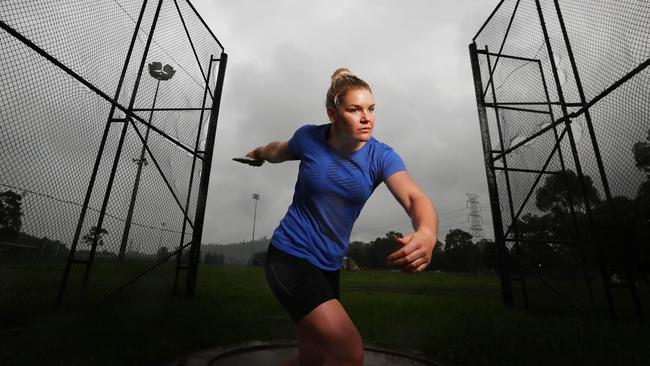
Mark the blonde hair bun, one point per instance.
(340, 72)
(342, 81)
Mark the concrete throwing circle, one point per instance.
(274, 353)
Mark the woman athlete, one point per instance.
(341, 164)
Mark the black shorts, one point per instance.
(299, 285)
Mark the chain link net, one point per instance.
(571, 145)
(52, 128)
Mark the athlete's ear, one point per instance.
(332, 113)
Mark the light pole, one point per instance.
(160, 73)
(256, 197)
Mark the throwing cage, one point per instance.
(108, 124)
(562, 89)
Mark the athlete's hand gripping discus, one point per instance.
(249, 161)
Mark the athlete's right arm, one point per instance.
(275, 152)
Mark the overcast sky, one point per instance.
(281, 54)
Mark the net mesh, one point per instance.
(570, 141)
(52, 127)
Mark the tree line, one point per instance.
(457, 253)
(553, 233)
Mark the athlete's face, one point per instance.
(356, 117)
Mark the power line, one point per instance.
(25, 191)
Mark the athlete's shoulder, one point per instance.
(378, 146)
(310, 129)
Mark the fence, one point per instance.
(562, 90)
(108, 116)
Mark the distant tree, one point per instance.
(52, 247)
(489, 259)
(381, 248)
(90, 236)
(437, 258)
(259, 258)
(641, 151)
(10, 215)
(214, 258)
(552, 197)
(457, 238)
(556, 223)
(358, 251)
(460, 253)
(394, 235)
(162, 253)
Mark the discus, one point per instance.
(249, 161)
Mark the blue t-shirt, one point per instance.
(330, 192)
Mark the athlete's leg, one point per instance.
(327, 336)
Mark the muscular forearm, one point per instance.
(423, 216)
(271, 153)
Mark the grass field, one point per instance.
(455, 318)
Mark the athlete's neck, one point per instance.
(341, 142)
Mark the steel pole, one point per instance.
(100, 152)
(179, 255)
(576, 159)
(632, 261)
(197, 233)
(504, 272)
(116, 160)
(136, 185)
(256, 198)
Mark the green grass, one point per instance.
(453, 317)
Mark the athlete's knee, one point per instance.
(330, 327)
(345, 348)
(351, 355)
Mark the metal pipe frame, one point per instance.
(503, 43)
(168, 109)
(543, 170)
(136, 186)
(114, 103)
(547, 284)
(574, 218)
(194, 256)
(492, 105)
(533, 103)
(484, 52)
(204, 24)
(524, 240)
(504, 273)
(537, 179)
(487, 21)
(162, 174)
(557, 148)
(513, 224)
(131, 118)
(146, 271)
(91, 184)
(179, 255)
(206, 92)
(583, 107)
(118, 152)
(578, 166)
(198, 62)
(599, 162)
(529, 170)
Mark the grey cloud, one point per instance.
(414, 54)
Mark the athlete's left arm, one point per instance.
(417, 247)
